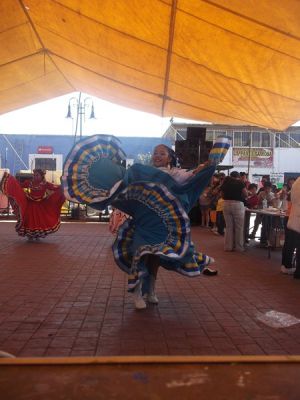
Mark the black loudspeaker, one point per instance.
(187, 153)
(194, 150)
(205, 149)
(193, 133)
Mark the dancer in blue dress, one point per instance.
(156, 200)
(164, 158)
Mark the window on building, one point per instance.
(295, 139)
(256, 139)
(253, 139)
(265, 139)
(287, 139)
(49, 164)
(209, 136)
(246, 139)
(282, 140)
(229, 134)
(221, 133)
(237, 139)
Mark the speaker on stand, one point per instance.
(190, 153)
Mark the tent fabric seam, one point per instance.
(251, 19)
(169, 53)
(107, 26)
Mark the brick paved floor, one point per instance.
(64, 296)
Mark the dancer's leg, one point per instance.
(139, 302)
(152, 263)
(207, 217)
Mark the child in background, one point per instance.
(265, 199)
(214, 196)
(204, 202)
(252, 199)
(244, 179)
(220, 221)
(117, 218)
(283, 197)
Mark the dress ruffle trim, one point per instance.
(76, 182)
(176, 252)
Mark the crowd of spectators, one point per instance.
(225, 200)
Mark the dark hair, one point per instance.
(234, 174)
(40, 171)
(266, 177)
(252, 185)
(289, 180)
(172, 155)
(268, 184)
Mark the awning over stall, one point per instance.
(225, 61)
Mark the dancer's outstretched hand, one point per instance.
(202, 166)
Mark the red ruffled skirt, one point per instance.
(34, 218)
(117, 218)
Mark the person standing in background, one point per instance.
(244, 179)
(264, 179)
(204, 203)
(234, 194)
(293, 225)
(220, 221)
(283, 197)
(251, 203)
(266, 199)
(289, 245)
(215, 194)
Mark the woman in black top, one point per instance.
(234, 193)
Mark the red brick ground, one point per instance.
(64, 296)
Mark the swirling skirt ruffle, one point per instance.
(161, 227)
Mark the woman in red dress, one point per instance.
(36, 204)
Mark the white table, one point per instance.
(270, 216)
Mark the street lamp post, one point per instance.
(81, 107)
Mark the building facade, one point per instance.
(254, 150)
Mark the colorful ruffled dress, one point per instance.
(157, 203)
(36, 205)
